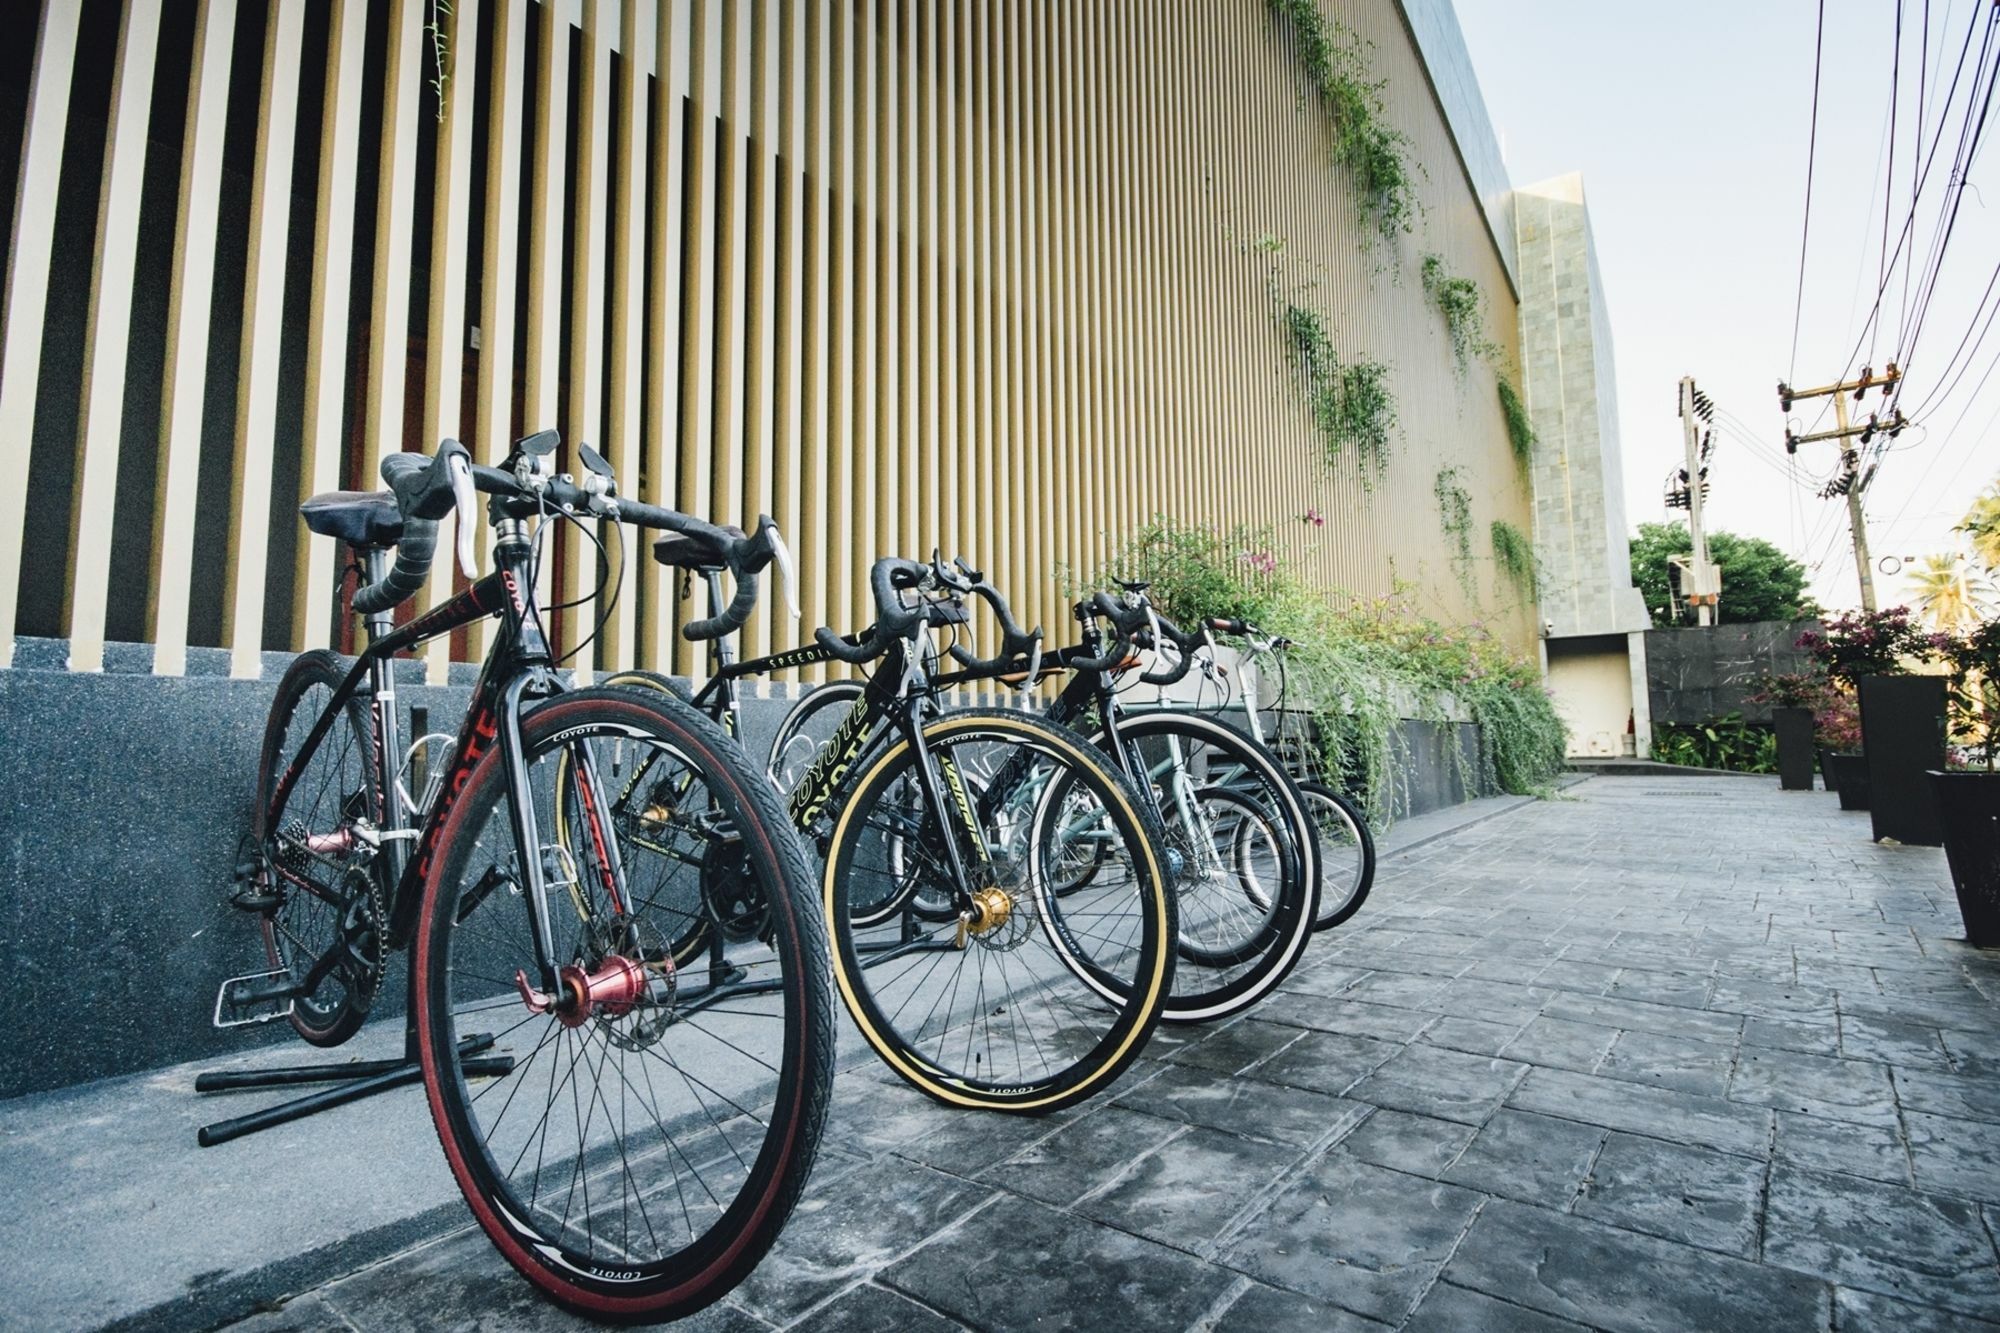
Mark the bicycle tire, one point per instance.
(587, 1260)
(1222, 975)
(312, 914)
(1077, 1039)
(1346, 853)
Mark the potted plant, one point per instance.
(1968, 799)
(1792, 699)
(1837, 733)
(1851, 648)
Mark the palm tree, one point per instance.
(1949, 594)
(1981, 526)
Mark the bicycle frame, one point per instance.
(519, 665)
(901, 681)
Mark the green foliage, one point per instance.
(1725, 742)
(1352, 408)
(1196, 573)
(1974, 692)
(1514, 554)
(1759, 581)
(1455, 516)
(1464, 311)
(1363, 666)
(1375, 157)
(1520, 430)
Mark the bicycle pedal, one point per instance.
(258, 997)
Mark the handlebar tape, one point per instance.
(413, 568)
(1014, 641)
(422, 487)
(893, 620)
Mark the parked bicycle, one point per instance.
(1230, 823)
(968, 960)
(631, 1135)
(1346, 847)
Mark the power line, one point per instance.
(1970, 133)
(1889, 182)
(1909, 222)
(1805, 228)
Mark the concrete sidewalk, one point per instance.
(1567, 1068)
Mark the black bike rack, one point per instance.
(354, 1081)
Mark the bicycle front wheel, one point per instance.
(1244, 861)
(984, 1009)
(643, 1129)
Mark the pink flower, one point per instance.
(1314, 517)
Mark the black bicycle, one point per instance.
(968, 961)
(1232, 826)
(634, 1135)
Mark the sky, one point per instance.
(1690, 124)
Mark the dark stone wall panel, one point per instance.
(1696, 673)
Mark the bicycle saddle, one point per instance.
(685, 550)
(359, 518)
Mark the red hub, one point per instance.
(614, 987)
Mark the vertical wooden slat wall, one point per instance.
(973, 275)
(100, 425)
(186, 372)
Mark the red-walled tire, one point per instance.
(636, 1165)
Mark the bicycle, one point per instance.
(1346, 847)
(1227, 817)
(950, 948)
(650, 1132)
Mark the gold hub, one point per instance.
(990, 909)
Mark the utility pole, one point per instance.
(1850, 482)
(1701, 583)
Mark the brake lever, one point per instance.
(465, 501)
(788, 573)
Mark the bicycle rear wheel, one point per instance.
(1346, 853)
(807, 728)
(985, 1011)
(326, 879)
(658, 1123)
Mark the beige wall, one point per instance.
(1593, 692)
(977, 276)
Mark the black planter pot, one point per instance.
(1850, 779)
(1968, 807)
(1795, 748)
(1902, 733)
(1826, 769)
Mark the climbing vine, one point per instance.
(1455, 515)
(1352, 407)
(1459, 301)
(1514, 554)
(441, 52)
(1520, 430)
(1375, 157)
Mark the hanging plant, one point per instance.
(1352, 408)
(1515, 556)
(1459, 301)
(1375, 157)
(1455, 515)
(1520, 431)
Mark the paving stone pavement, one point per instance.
(1661, 1054)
